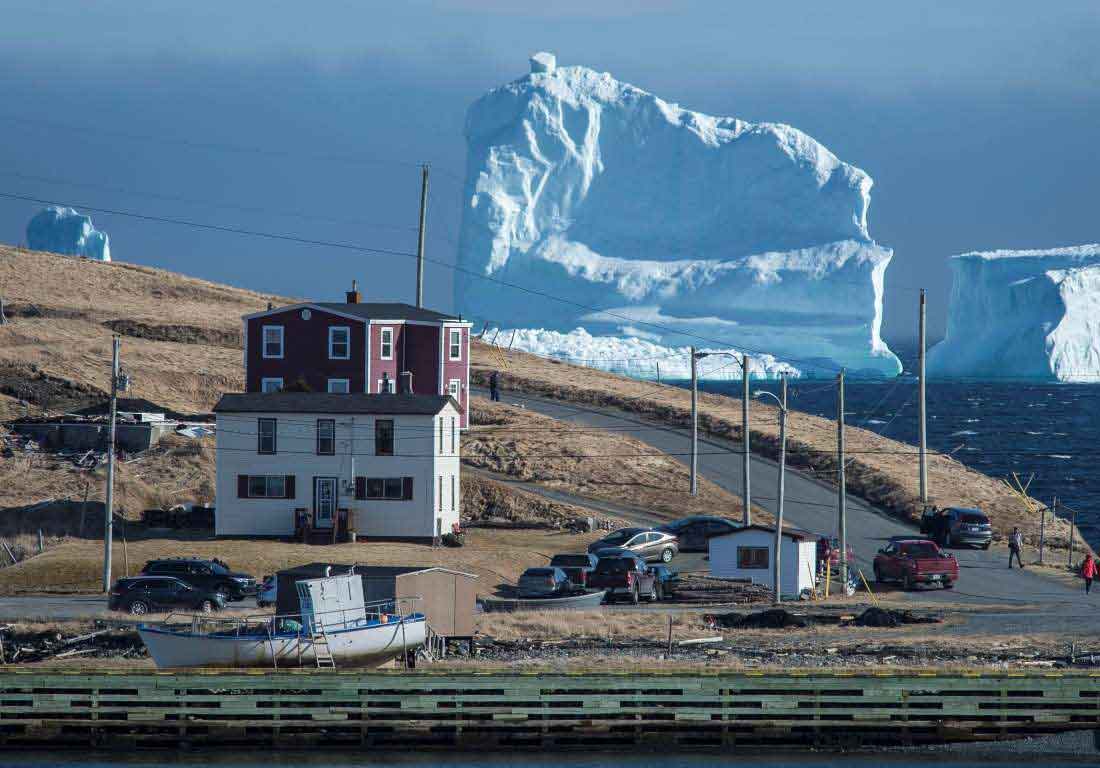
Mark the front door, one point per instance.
(324, 501)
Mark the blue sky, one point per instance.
(979, 124)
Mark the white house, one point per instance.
(748, 553)
(391, 461)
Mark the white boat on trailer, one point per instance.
(335, 627)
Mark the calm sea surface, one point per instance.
(1051, 431)
(596, 760)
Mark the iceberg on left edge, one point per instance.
(63, 230)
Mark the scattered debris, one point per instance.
(26, 646)
(773, 618)
(887, 617)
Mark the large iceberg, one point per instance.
(1024, 315)
(63, 230)
(681, 228)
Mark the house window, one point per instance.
(339, 386)
(273, 341)
(386, 351)
(266, 429)
(267, 486)
(750, 558)
(383, 437)
(271, 385)
(383, 488)
(453, 388)
(339, 343)
(386, 385)
(455, 346)
(326, 437)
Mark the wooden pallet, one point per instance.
(555, 711)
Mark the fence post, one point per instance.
(1042, 532)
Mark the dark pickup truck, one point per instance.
(625, 576)
(916, 561)
(577, 567)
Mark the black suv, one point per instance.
(209, 575)
(140, 595)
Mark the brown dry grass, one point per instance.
(496, 557)
(883, 471)
(534, 448)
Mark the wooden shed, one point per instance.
(447, 597)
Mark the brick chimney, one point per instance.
(354, 297)
(406, 382)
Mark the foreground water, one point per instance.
(523, 760)
(1051, 431)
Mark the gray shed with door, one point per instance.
(446, 597)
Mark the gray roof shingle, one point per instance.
(386, 311)
(323, 402)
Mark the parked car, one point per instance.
(650, 544)
(951, 526)
(576, 567)
(544, 582)
(210, 575)
(268, 593)
(693, 534)
(140, 595)
(667, 580)
(916, 561)
(625, 576)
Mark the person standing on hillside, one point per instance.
(494, 386)
(1015, 544)
(1088, 572)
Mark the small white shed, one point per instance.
(748, 553)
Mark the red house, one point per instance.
(357, 346)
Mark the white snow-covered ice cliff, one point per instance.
(63, 230)
(685, 228)
(1023, 314)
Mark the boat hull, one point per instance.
(366, 646)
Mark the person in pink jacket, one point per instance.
(1088, 572)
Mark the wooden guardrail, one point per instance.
(695, 710)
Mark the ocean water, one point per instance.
(1048, 433)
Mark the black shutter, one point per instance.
(242, 486)
(406, 488)
(288, 483)
(360, 488)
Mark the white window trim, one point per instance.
(347, 386)
(382, 343)
(451, 331)
(282, 342)
(277, 381)
(347, 330)
(391, 390)
(457, 384)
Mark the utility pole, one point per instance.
(746, 456)
(420, 237)
(108, 521)
(923, 413)
(842, 499)
(694, 424)
(779, 495)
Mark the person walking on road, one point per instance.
(1088, 572)
(494, 386)
(1015, 544)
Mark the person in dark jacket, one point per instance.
(1015, 544)
(494, 386)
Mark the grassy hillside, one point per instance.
(181, 345)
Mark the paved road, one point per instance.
(811, 505)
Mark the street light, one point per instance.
(782, 403)
(746, 458)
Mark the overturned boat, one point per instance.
(335, 627)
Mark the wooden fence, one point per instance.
(506, 710)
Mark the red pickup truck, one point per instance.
(916, 561)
